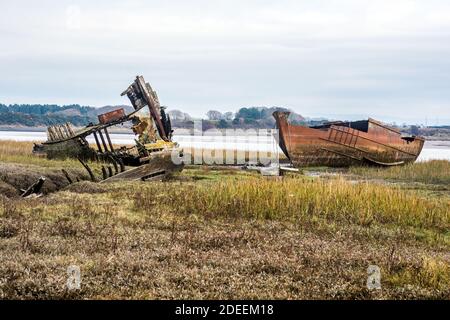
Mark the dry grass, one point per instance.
(19, 168)
(225, 234)
(142, 248)
(297, 199)
(430, 172)
(431, 272)
(21, 152)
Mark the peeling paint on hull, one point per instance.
(342, 144)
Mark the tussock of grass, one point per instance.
(430, 172)
(431, 273)
(301, 199)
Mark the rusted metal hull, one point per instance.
(111, 116)
(344, 144)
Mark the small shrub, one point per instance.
(9, 207)
(8, 228)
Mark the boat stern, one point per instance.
(281, 118)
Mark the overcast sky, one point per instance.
(382, 58)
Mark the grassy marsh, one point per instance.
(297, 199)
(227, 234)
(429, 172)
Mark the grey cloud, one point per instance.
(318, 58)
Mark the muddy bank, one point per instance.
(14, 177)
(87, 187)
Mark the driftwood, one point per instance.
(35, 188)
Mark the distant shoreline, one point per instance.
(25, 129)
(128, 131)
(44, 129)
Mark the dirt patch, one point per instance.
(8, 190)
(86, 187)
(15, 176)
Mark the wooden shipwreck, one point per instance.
(153, 156)
(342, 144)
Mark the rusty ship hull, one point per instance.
(343, 144)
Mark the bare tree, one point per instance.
(228, 115)
(214, 115)
(178, 115)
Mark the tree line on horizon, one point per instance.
(35, 115)
(42, 115)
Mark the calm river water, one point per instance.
(432, 149)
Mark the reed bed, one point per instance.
(300, 199)
(430, 172)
